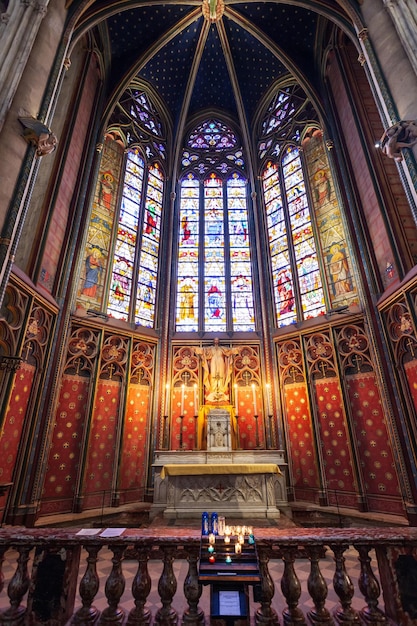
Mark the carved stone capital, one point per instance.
(363, 34)
(403, 134)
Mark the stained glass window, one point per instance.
(188, 256)
(303, 218)
(214, 265)
(149, 253)
(125, 249)
(122, 253)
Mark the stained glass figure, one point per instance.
(99, 235)
(188, 256)
(125, 249)
(149, 253)
(240, 261)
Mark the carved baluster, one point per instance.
(291, 590)
(370, 589)
(265, 614)
(317, 588)
(344, 589)
(115, 586)
(193, 616)
(89, 586)
(141, 587)
(18, 586)
(167, 586)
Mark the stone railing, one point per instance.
(54, 578)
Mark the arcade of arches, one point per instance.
(208, 206)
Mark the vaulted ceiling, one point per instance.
(229, 62)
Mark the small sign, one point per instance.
(229, 602)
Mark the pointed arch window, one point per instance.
(122, 249)
(310, 262)
(215, 291)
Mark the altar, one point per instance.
(243, 484)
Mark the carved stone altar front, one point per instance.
(243, 495)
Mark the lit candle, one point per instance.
(182, 399)
(241, 539)
(211, 538)
(236, 400)
(228, 559)
(211, 549)
(226, 539)
(167, 399)
(227, 531)
(255, 412)
(238, 548)
(268, 406)
(195, 399)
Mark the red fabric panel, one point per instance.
(373, 441)
(338, 466)
(301, 438)
(247, 422)
(101, 447)
(411, 373)
(188, 421)
(63, 461)
(13, 424)
(134, 452)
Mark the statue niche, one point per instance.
(219, 436)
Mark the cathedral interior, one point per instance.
(208, 205)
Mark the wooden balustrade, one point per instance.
(381, 590)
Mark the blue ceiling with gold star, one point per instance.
(229, 63)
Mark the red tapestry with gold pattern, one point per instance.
(134, 448)
(373, 441)
(64, 454)
(184, 402)
(102, 442)
(300, 433)
(411, 372)
(338, 466)
(15, 417)
(251, 430)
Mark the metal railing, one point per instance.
(55, 580)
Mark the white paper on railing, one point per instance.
(112, 532)
(89, 531)
(229, 602)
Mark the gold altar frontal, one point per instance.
(233, 468)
